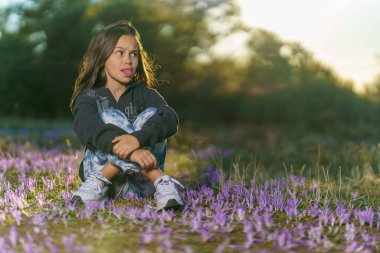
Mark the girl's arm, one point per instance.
(162, 125)
(90, 128)
(124, 145)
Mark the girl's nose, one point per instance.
(127, 59)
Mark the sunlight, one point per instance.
(339, 33)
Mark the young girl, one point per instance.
(122, 122)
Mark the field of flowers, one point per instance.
(239, 211)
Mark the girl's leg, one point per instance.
(152, 175)
(97, 168)
(95, 185)
(166, 193)
(110, 171)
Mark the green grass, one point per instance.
(340, 168)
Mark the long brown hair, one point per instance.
(91, 72)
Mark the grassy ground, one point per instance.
(246, 191)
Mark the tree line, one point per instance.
(278, 82)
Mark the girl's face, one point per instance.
(121, 65)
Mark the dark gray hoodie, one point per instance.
(96, 135)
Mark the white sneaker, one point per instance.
(167, 196)
(93, 189)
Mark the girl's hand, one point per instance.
(144, 158)
(124, 145)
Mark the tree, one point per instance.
(54, 35)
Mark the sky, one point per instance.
(344, 34)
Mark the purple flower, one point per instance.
(221, 247)
(166, 238)
(66, 196)
(69, 179)
(283, 240)
(13, 236)
(27, 244)
(292, 205)
(326, 216)
(166, 216)
(220, 218)
(227, 153)
(248, 235)
(68, 241)
(354, 195)
(370, 240)
(17, 216)
(315, 233)
(3, 245)
(349, 235)
(343, 215)
(31, 184)
(147, 237)
(49, 184)
(194, 224)
(118, 212)
(210, 151)
(365, 216)
(2, 216)
(40, 199)
(211, 176)
(205, 234)
(354, 247)
(240, 213)
(297, 181)
(377, 224)
(49, 243)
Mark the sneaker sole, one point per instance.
(77, 201)
(172, 204)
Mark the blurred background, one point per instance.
(263, 79)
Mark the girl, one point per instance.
(122, 122)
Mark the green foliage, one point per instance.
(278, 83)
(17, 63)
(53, 36)
(315, 107)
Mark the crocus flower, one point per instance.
(13, 236)
(27, 243)
(365, 216)
(248, 235)
(2, 216)
(68, 241)
(349, 235)
(343, 215)
(205, 234)
(40, 199)
(240, 213)
(211, 176)
(31, 184)
(147, 236)
(17, 216)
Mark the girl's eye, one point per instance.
(119, 53)
(134, 54)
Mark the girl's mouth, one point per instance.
(127, 72)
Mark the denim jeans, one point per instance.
(131, 182)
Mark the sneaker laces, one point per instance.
(177, 182)
(165, 181)
(96, 178)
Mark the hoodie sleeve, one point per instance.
(162, 125)
(89, 126)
